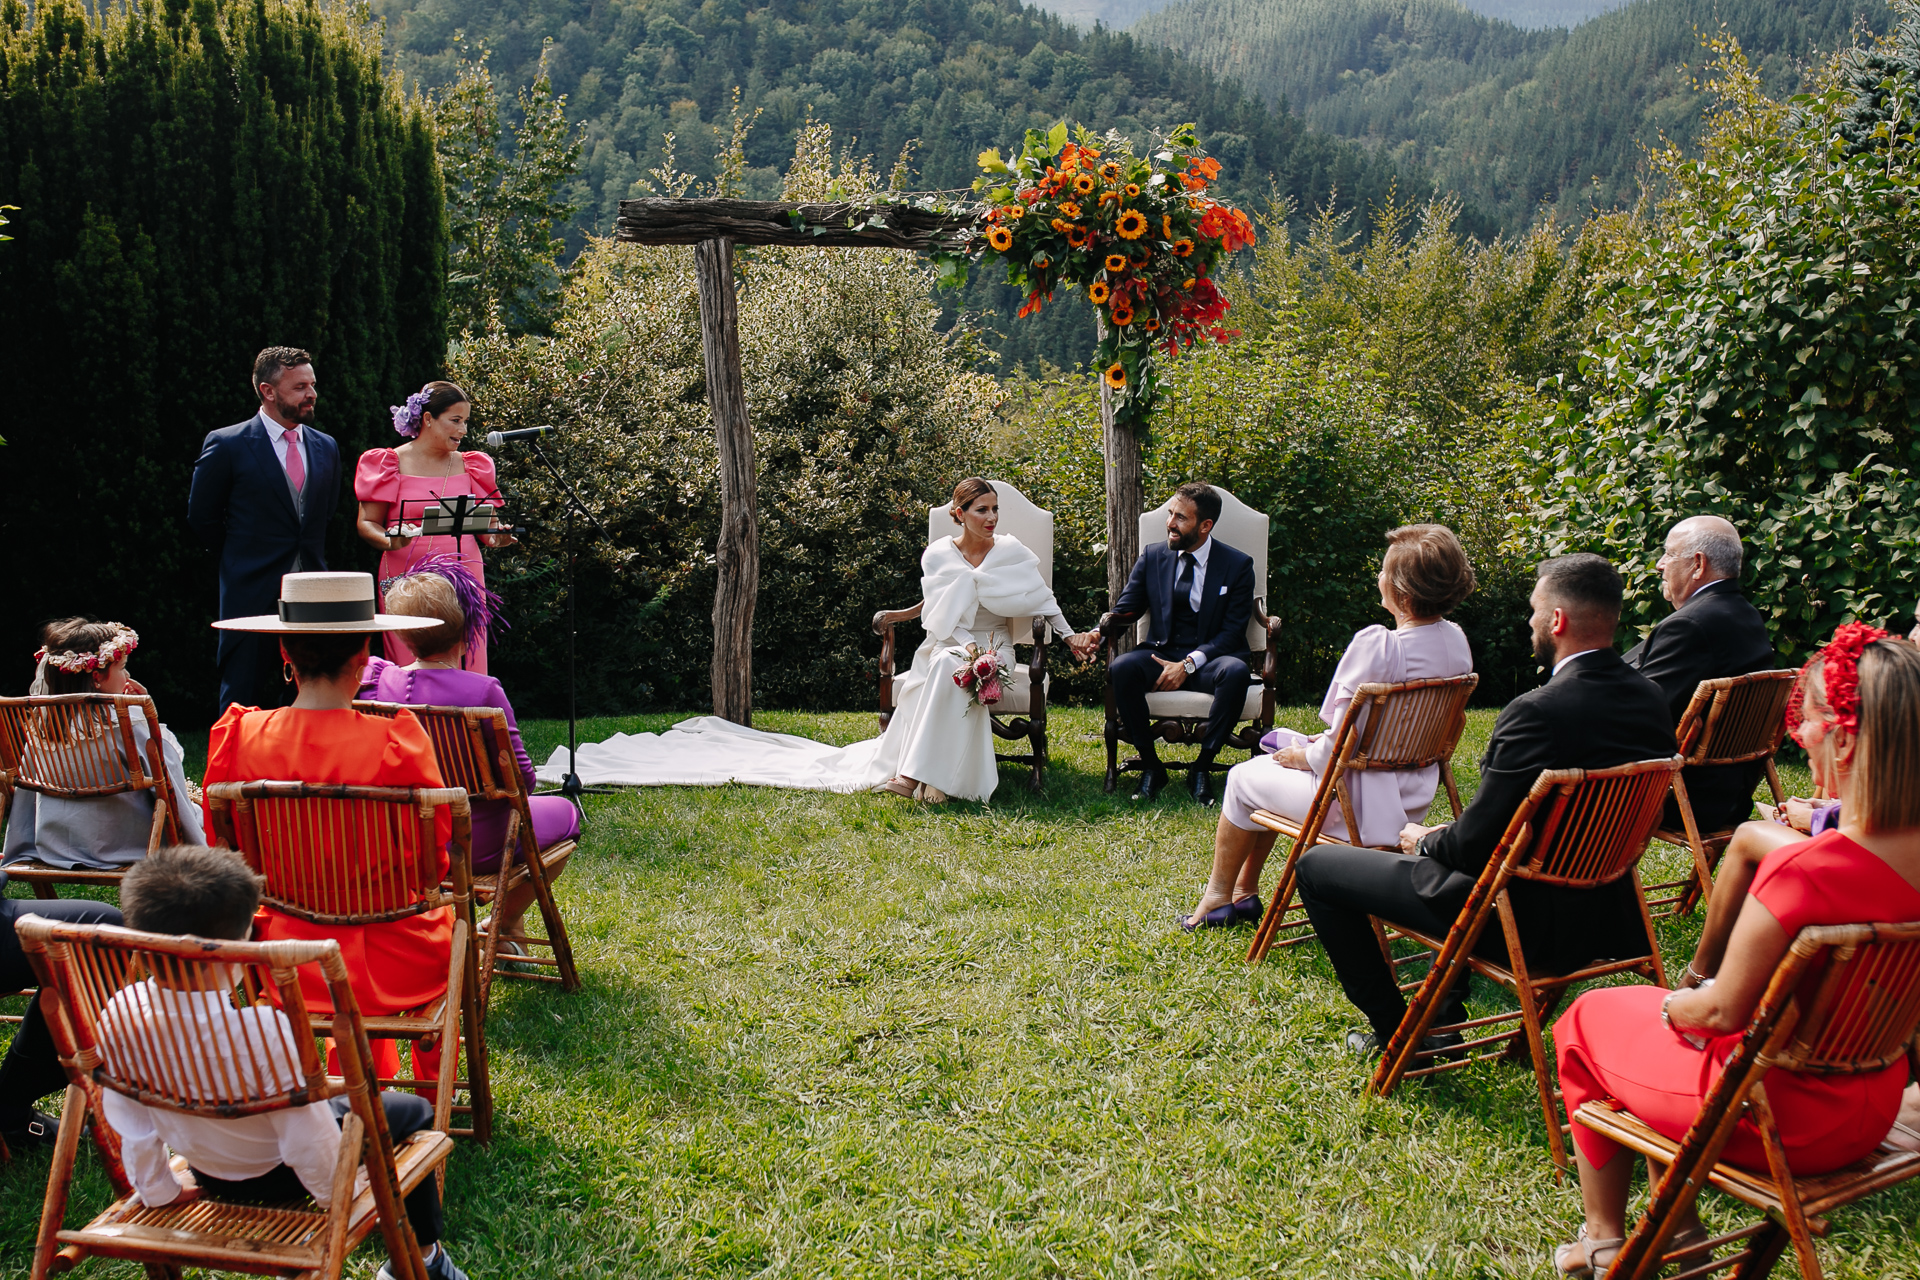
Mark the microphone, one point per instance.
(497, 438)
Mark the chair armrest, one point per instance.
(1269, 661)
(883, 623)
(1112, 626)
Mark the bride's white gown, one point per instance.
(936, 736)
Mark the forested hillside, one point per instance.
(1510, 119)
(946, 77)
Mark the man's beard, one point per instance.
(301, 413)
(1182, 542)
(1543, 652)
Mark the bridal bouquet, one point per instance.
(984, 674)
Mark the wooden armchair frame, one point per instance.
(243, 1072)
(1845, 999)
(1386, 728)
(300, 835)
(1735, 720)
(1577, 829)
(475, 753)
(1033, 526)
(36, 756)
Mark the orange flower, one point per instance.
(1061, 226)
(1153, 324)
(1110, 171)
(1000, 238)
(1166, 226)
(1090, 152)
(1077, 237)
(1182, 248)
(1068, 209)
(1084, 184)
(1211, 168)
(1110, 195)
(1116, 262)
(1116, 375)
(1122, 313)
(1132, 225)
(1098, 292)
(1133, 189)
(1187, 283)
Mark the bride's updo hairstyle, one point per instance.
(1427, 568)
(966, 493)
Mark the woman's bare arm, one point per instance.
(1754, 950)
(1752, 842)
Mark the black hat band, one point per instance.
(326, 611)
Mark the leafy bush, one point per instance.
(1764, 363)
(863, 416)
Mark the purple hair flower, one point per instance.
(406, 417)
(481, 606)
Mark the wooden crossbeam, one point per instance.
(839, 225)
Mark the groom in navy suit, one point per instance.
(262, 492)
(1197, 594)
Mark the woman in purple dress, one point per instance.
(441, 588)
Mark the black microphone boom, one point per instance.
(497, 438)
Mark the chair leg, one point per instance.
(1763, 1251)
(53, 1210)
(1037, 744)
(558, 942)
(1113, 757)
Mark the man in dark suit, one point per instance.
(1593, 712)
(1713, 632)
(1197, 595)
(262, 492)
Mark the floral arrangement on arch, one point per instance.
(1141, 235)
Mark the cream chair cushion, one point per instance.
(1199, 706)
(1240, 527)
(1019, 693)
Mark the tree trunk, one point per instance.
(738, 548)
(1126, 496)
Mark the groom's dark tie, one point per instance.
(1183, 588)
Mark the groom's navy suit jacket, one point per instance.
(243, 509)
(1226, 598)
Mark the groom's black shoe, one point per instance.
(1152, 783)
(1200, 787)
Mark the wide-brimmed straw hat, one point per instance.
(337, 602)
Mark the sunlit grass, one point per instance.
(845, 1036)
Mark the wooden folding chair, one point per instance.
(475, 754)
(1732, 721)
(1387, 727)
(350, 855)
(80, 746)
(109, 993)
(1021, 713)
(1845, 999)
(1577, 829)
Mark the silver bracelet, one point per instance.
(1666, 1020)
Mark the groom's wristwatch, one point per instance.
(1189, 666)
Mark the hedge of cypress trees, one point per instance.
(196, 179)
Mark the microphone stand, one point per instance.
(570, 786)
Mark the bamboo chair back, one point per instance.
(1844, 999)
(1019, 518)
(1240, 527)
(76, 746)
(470, 744)
(339, 855)
(1589, 827)
(1409, 725)
(1736, 719)
(165, 1020)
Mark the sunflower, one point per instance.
(1068, 209)
(1122, 313)
(1061, 225)
(1077, 237)
(1116, 262)
(1133, 190)
(1110, 171)
(1182, 248)
(1098, 293)
(1153, 324)
(1166, 226)
(1116, 375)
(1000, 238)
(1132, 225)
(1084, 184)
(1042, 262)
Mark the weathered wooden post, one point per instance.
(737, 549)
(1126, 492)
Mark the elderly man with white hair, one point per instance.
(1712, 632)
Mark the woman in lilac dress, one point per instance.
(442, 589)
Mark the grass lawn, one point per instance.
(844, 1036)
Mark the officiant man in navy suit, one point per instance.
(262, 493)
(1197, 595)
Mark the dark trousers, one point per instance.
(407, 1114)
(31, 1069)
(1134, 673)
(1341, 887)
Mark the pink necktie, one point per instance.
(296, 469)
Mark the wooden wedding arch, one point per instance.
(713, 226)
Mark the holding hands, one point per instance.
(1084, 645)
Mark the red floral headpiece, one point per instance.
(1839, 662)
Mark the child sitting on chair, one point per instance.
(265, 1159)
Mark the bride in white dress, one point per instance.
(939, 743)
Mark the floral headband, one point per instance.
(1840, 665)
(122, 642)
(406, 417)
(481, 606)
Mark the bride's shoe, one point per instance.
(931, 794)
(895, 786)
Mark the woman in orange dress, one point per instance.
(396, 486)
(1660, 1052)
(324, 625)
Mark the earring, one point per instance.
(286, 672)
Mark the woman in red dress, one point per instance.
(397, 486)
(399, 965)
(1659, 1052)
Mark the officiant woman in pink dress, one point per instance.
(396, 486)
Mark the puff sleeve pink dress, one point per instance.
(378, 479)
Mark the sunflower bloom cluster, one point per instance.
(1140, 235)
